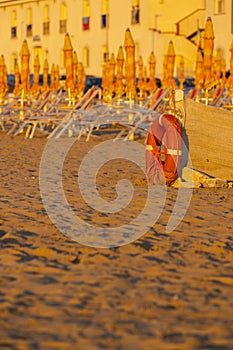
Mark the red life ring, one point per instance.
(163, 149)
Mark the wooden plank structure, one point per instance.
(210, 139)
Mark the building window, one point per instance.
(46, 20)
(105, 15)
(13, 25)
(135, 12)
(219, 7)
(13, 32)
(29, 30)
(46, 28)
(104, 21)
(86, 15)
(86, 57)
(29, 22)
(86, 23)
(63, 20)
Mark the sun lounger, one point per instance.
(70, 117)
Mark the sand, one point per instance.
(161, 291)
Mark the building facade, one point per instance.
(97, 29)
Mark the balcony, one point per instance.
(190, 26)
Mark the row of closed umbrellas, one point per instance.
(119, 75)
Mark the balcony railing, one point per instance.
(191, 23)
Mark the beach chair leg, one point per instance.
(81, 132)
(2, 126)
(130, 135)
(33, 130)
(119, 135)
(11, 129)
(90, 132)
(28, 131)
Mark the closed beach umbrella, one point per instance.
(181, 75)
(164, 78)
(218, 67)
(68, 53)
(53, 78)
(75, 68)
(140, 73)
(119, 85)
(45, 75)
(81, 79)
(57, 77)
(25, 73)
(223, 68)
(144, 86)
(107, 82)
(108, 93)
(104, 79)
(151, 86)
(130, 66)
(2, 87)
(17, 80)
(170, 65)
(208, 51)
(112, 65)
(5, 75)
(229, 82)
(199, 71)
(35, 87)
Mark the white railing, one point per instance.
(191, 23)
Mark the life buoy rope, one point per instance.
(164, 149)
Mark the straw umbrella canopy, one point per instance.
(2, 84)
(5, 75)
(130, 66)
(170, 65)
(151, 86)
(119, 85)
(164, 78)
(75, 68)
(229, 82)
(81, 79)
(104, 78)
(45, 75)
(35, 87)
(208, 51)
(181, 75)
(218, 67)
(112, 65)
(68, 52)
(57, 77)
(140, 72)
(53, 77)
(107, 82)
(223, 69)
(142, 78)
(199, 71)
(16, 90)
(144, 85)
(25, 73)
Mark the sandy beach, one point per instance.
(163, 291)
